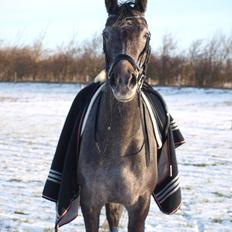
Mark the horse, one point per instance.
(118, 153)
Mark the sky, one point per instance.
(59, 21)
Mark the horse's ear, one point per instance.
(111, 5)
(141, 5)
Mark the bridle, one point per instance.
(140, 69)
(140, 66)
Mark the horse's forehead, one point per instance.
(135, 21)
(127, 27)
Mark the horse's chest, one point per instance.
(113, 162)
(113, 181)
(114, 176)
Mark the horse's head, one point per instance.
(126, 46)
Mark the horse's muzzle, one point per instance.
(123, 85)
(123, 78)
(124, 97)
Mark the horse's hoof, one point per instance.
(114, 230)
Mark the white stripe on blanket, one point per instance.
(54, 176)
(155, 127)
(90, 107)
(167, 186)
(54, 180)
(55, 172)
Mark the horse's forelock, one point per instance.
(125, 10)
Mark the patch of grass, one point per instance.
(220, 195)
(20, 212)
(48, 230)
(200, 165)
(217, 220)
(15, 180)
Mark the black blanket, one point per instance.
(61, 185)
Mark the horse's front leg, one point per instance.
(138, 213)
(91, 212)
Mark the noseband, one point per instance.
(140, 66)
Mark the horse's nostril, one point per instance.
(133, 80)
(112, 80)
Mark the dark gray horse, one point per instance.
(117, 163)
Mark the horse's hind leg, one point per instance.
(113, 214)
(138, 213)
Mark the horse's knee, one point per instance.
(138, 213)
(142, 205)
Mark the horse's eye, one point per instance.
(147, 35)
(105, 35)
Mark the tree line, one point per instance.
(205, 63)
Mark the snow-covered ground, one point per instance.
(32, 116)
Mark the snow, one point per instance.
(32, 116)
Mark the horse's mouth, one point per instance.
(124, 98)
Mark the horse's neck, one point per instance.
(120, 127)
(121, 119)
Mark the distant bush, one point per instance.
(203, 64)
(68, 63)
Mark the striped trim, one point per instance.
(55, 172)
(167, 196)
(169, 189)
(54, 180)
(155, 127)
(173, 125)
(172, 121)
(164, 195)
(90, 107)
(54, 176)
(167, 186)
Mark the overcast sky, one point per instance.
(24, 20)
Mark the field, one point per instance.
(32, 116)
